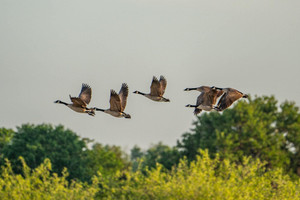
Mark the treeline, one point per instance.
(65, 149)
(259, 128)
(235, 140)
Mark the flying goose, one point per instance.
(117, 103)
(157, 90)
(230, 95)
(79, 103)
(207, 98)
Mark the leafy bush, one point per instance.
(41, 184)
(204, 178)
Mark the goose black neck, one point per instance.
(141, 93)
(193, 106)
(61, 102)
(64, 103)
(188, 89)
(98, 109)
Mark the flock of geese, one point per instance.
(206, 100)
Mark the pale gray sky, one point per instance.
(49, 48)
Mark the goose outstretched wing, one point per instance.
(123, 96)
(86, 93)
(228, 98)
(163, 85)
(155, 87)
(115, 101)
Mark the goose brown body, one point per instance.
(117, 103)
(157, 90)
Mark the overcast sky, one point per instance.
(49, 48)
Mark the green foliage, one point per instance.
(136, 153)
(36, 143)
(158, 153)
(64, 148)
(204, 178)
(237, 140)
(163, 154)
(5, 137)
(39, 183)
(106, 159)
(257, 128)
(289, 125)
(136, 156)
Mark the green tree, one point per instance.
(106, 159)
(288, 123)
(160, 153)
(35, 143)
(5, 137)
(257, 128)
(136, 155)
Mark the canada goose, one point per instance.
(117, 103)
(230, 95)
(79, 103)
(206, 99)
(157, 90)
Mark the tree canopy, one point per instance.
(64, 148)
(35, 143)
(106, 159)
(5, 137)
(257, 127)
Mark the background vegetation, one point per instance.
(251, 151)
